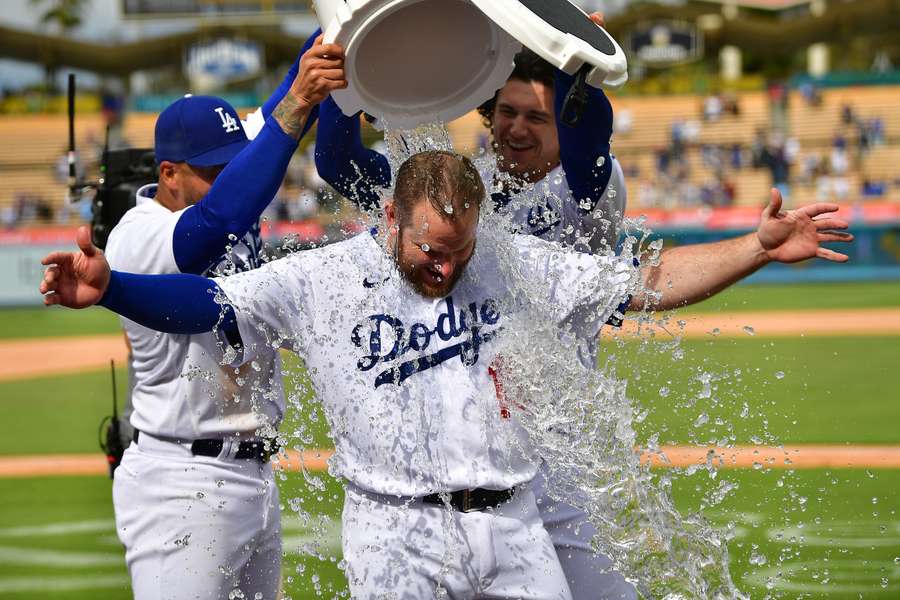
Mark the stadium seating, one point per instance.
(33, 144)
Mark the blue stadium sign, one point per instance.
(665, 43)
(224, 59)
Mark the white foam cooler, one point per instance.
(410, 62)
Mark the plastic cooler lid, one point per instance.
(563, 35)
(410, 62)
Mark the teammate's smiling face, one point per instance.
(525, 129)
(432, 252)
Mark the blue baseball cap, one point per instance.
(203, 131)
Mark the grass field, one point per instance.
(803, 533)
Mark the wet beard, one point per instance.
(410, 274)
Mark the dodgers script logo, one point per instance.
(466, 324)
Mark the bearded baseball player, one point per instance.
(399, 334)
(196, 505)
(556, 182)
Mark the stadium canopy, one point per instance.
(770, 27)
(122, 59)
(765, 28)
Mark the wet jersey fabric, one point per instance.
(405, 379)
(181, 389)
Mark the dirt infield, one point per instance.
(843, 322)
(738, 457)
(21, 359)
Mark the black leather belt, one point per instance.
(477, 499)
(261, 450)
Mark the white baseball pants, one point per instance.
(197, 527)
(409, 551)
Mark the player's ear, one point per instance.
(168, 174)
(390, 214)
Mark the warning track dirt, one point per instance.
(738, 457)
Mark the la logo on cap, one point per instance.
(229, 123)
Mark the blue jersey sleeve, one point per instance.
(242, 191)
(585, 149)
(342, 160)
(240, 194)
(181, 304)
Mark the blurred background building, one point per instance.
(726, 98)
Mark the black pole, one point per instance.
(71, 154)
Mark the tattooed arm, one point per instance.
(247, 185)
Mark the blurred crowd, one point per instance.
(684, 173)
(836, 174)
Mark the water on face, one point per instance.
(574, 404)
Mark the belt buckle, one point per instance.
(467, 501)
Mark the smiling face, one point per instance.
(524, 128)
(432, 252)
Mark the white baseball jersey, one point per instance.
(181, 391)
(405, 379)
(547, 210)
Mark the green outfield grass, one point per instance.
(810, 404)
(59, 533)
(803, 296)
(833, 389)
(54, 321)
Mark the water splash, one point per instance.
(579, 418)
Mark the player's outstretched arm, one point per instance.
(342, 160)
(689, 274)
(185, 304)
(248, 184)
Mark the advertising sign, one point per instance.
(665, 43)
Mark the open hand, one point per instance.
(76, 279)
(796, 235)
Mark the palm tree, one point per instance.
(66, 14)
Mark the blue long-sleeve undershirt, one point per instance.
(242, 191)
(182, 304)
(235, 202)
(342, 160)
(581, 147)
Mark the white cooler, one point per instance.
(410, 62)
